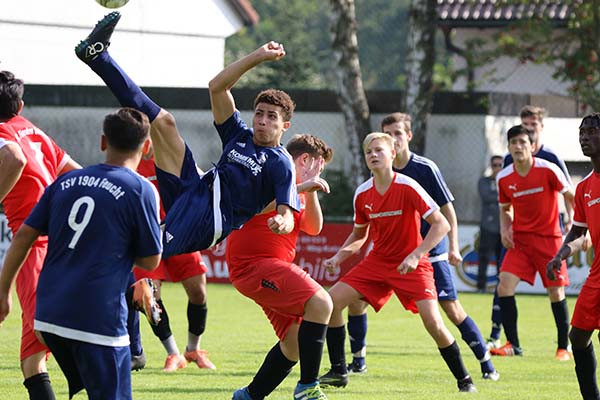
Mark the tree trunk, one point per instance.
(350, 93)
(420, 59)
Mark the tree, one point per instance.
(420, 60)
(572, 50)
(351, 95)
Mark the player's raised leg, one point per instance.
(169, 147)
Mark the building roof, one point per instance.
(496, 13)
(246, 11)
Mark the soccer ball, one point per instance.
(112, 3)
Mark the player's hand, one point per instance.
(553, 267)
(5, 306)
(332, 265)
(271, 51)
(314, 184)
(454, 257)
(507, 238)
(409, 264)
(586, 242)
(278, 224)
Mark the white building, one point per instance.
(183, 41)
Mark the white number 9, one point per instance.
(79, 227)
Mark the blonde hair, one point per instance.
(378, 135)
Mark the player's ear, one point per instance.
(103, 142)
(146, 146)
(21, 107)
(286, 125)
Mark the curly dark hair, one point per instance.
(11, 95)
(277, 98)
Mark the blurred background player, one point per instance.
(444, 253)
(530, 229)
(490, 244)
(202, 209)
(99, 221)
(532, 118)
(29, 161)
(391, 205)
(586, 316)
(261, 268)
(189, 269)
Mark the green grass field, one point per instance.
(403, 362)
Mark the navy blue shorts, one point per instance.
(103, 371)
(444, 284)
(193, 205)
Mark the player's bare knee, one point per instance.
(319, 307)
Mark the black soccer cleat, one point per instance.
(466, 385)
(99, 39)
(138, 362)
(333, 378)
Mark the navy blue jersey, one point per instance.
(252, 176)
(428, 175)
(547, 154)
(98, 220)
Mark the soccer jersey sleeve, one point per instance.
(503, 198)
(438, 189)
(579, 218)
(422, 201)
(558, 180)
(232, 128)
(284, 181)
(148, 235)
(40, 215)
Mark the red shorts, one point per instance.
(377, 281)
(530, 256)
(175, 268)
(280, 288)
(27, 280)
(586, 315)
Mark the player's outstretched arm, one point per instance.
(351, 246)
(574, 241)
(12, 163)
(439, 228)
(15, 256)
(221, 100)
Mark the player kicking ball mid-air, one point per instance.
(203, 208)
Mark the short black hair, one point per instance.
(126, 129)
(495, 157)
(519, 130)
(595, 117)
(11, 95)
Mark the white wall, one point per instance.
(513, 75)
(174, 43)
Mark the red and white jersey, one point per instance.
(534, 197)
(44, 161)
(256, 241)
(587, 215)
(394, 218)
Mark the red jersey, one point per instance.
(44, 161)
(256, 241)
(394, 217)
(587, 215)
(534, 197)
(147, 169)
